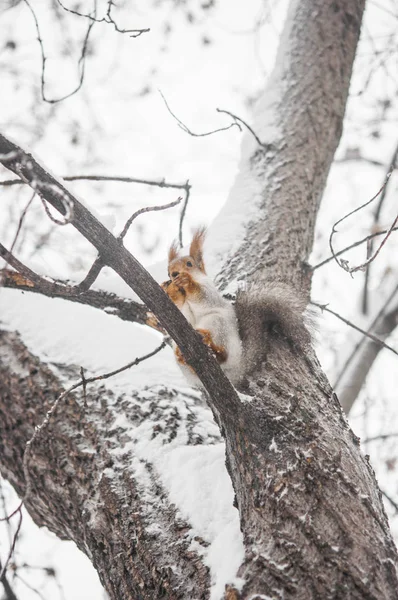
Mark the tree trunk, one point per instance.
(310, 511)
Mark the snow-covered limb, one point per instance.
(108, 497)
(114, 254)
(124, 308)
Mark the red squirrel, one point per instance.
(239, 335)
(195, 294)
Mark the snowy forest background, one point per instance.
(200, 56)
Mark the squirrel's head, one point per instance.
(191, 263)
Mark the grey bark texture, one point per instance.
(311, 514)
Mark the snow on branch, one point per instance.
(123, 308)
(116, 256)
(39, 429)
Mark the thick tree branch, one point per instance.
(300, 122)
(114, 255)
(88, 483)
(124, 308)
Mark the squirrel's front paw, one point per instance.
(179, 356)
(182, 280)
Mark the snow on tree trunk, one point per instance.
(310, 511)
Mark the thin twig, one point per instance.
(391, 167)
(374, 338)
(391, 501)
(19, 227)
(91, 276)
(5, 512)
(14, 541)
(40, 187)
(9, 592)
(343, 264)
(84, 383)
(30, 587)
(383, 195)
(107, 19)
(354, 245)
(162, 183)
(21, 220)
(145, 210)
(187, 130)
(183, 212)
(81, 61)
(254, 134)
(384, 436)
(99, 263)
(375, 254)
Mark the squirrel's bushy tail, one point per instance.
(266, 315)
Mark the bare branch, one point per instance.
(254, 134)
(9, 592)
(144, 210)
(187, 130)
(183, 212)
(391, 501)
(98, 263)
(344, 264)
(162, 183)
(324, 307)
(91, 276)
(354, 245)
(21, 220)
(81, 62)
(123, 308)
(384, 436)
(125, 179)
(107, 19)
(14, 541)
(391, 167)
(115, 255)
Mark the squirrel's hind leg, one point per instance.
(219, 351)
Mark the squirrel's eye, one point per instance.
(189, 264)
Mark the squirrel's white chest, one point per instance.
(194, 312)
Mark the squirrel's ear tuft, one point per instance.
(173, 252)
(196, 249)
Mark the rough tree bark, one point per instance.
(311, 514)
